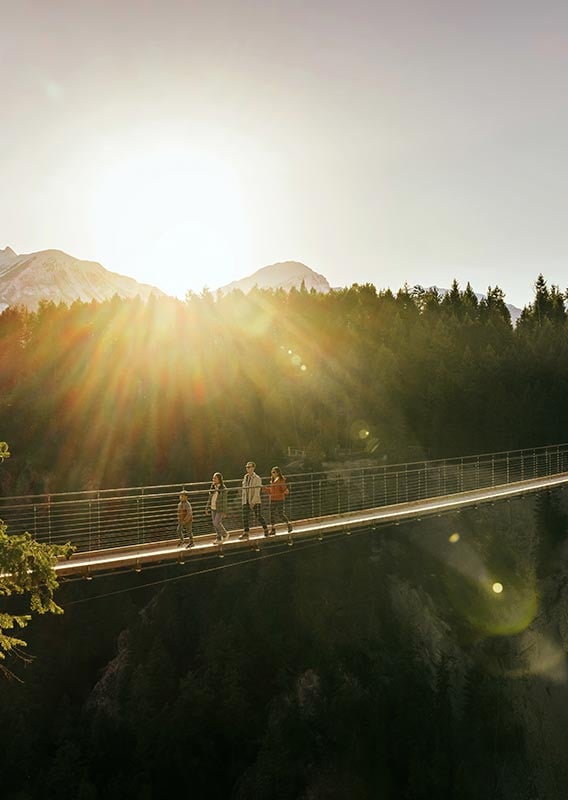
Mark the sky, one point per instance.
(187, 144)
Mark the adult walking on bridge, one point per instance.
(217, 506)
(277, 491)
(250, 494)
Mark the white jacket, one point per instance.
(251, 489)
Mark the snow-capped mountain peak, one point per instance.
(54, 275)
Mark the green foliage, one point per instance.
(26, 569)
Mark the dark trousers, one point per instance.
(277, 512)
(256, 511)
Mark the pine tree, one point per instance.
(26, 568)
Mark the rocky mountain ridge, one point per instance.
(54, 275)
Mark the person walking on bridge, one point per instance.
(185, 519)
(217, 506)
(250, 494)
(277, 491)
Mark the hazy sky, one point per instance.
(190, 143)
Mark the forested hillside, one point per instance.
(378, 665)
(128, 393)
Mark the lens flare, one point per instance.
(511, 614)
(359, 430)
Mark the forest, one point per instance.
(366, 667)
(124, 393)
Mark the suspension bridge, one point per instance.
(128, 528)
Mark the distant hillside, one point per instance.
(513, 310)
(284, 275)
(54, 275)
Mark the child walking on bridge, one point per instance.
(185, 519)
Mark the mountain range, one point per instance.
(27, 279)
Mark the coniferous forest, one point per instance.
(366, 667)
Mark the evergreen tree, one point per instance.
(26, 569)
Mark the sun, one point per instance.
(172, 216)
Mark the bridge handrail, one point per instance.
(108, 518)
(175, 488)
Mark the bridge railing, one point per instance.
(108, 518)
